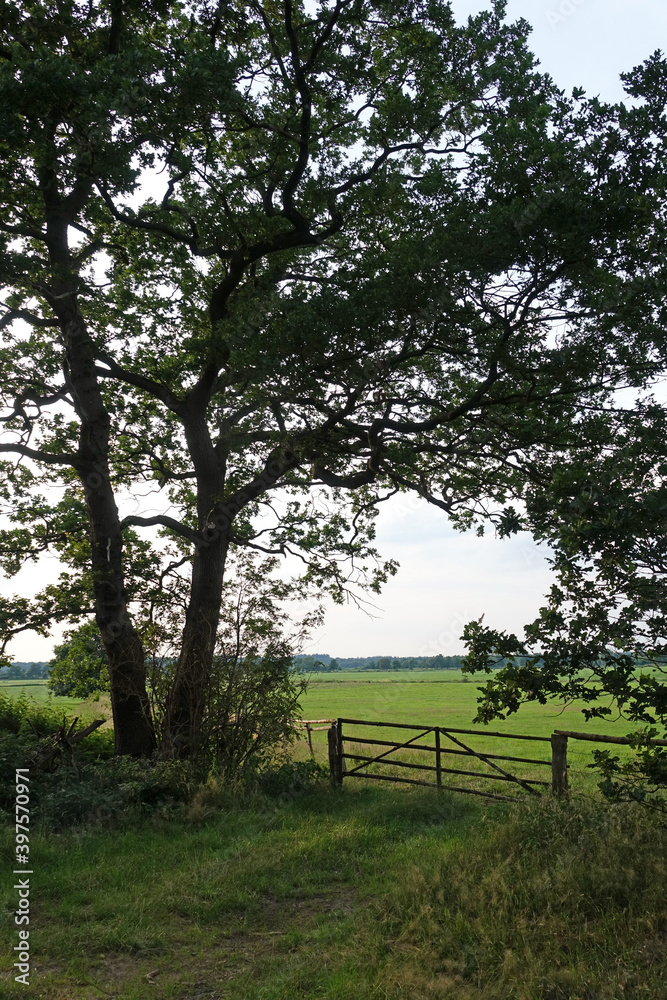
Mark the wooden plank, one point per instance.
(389, 743)
(334, 770)
(389, 725)
(340, 761)
(597, 738)
(331, 740)
(446, 770)
(495, 777)
(461, 753)
(445, 729)
(85, 732)
(385, 777)
(397, 763)
(429, 784)
(486, 760)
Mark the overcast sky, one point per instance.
(447, 578)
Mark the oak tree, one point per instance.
(268, 264)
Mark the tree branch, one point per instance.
(164, 521)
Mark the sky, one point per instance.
(447, 578)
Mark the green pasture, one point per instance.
(448, 698)
(38, 690)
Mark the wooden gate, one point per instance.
(435, 740)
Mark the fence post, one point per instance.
(438, 759)
(559, 784)
(340, 760)
(335, 755)
(331, 737)
(310, 739)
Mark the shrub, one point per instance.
(252, 697)
(111, 791)
(292, 777)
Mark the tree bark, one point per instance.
(133, 727)
(187, 699)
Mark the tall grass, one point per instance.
(555, 902)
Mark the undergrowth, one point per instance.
(97, 789)
(557, 901)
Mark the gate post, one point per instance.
(559, 783)
(438, 759)
(335, 758)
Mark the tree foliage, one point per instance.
(601, 636)
(267, 265)
(79, 665)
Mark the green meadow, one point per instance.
(448, 698)
(39, 691)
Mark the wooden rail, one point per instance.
(596, 738)
(558, 762)
(476, 732)
(312, 728)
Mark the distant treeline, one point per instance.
(24, 672)
(322, 663)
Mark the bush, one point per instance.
(23, 725)
(97, 788)
(248, 704)
(111, 791)
(292, 777)
(251, 705)
(284, 781)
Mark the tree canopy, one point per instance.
(268, 264)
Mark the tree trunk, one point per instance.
(187, 699)
(133, 728)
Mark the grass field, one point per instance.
(445, 698)
(376, 893)
(39, 691)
